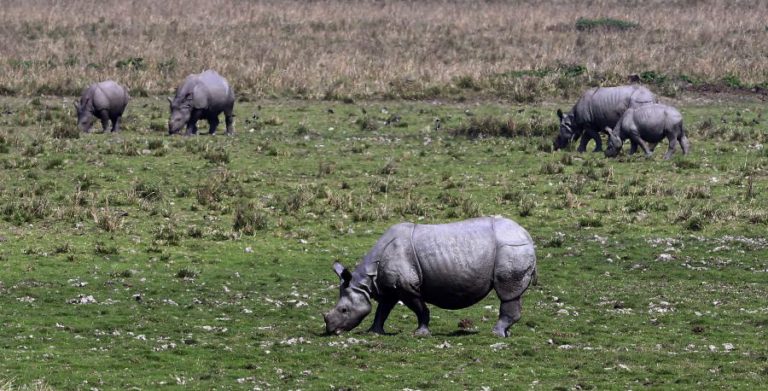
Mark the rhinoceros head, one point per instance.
(568, 132)
(614, 142)
(84, 116)
(353, 306)
(181, 110)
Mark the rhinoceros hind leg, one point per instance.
(419, 307)
(104, 117)
(672, 146)
(116, 123)
(382, 312)
(228, 119)
(213, 123)
(509, 313)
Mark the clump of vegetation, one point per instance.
(249, 217)
(526, 206)
(62, 131)
(216, 156)
(101, 248)
(168, 233)
(496, 127)
(604, 24)
(187, 274)
(367, 124)
(550, 168)
(107, 219)
(27, 209)
(149, 191)
(592, 221)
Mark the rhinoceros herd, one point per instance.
(451, 265)
(624, 112)
(200, 96)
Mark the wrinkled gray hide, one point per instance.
(106, 101)
(596, 109)
(449, 265)
(201, 96)
(648, 124)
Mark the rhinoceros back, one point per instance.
(456, 261)
(217, 90)
(604, 106)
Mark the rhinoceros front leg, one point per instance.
(583, 143)
(194, 116)
(598, 141)
(685, 144)
(639, 141)
(509, 313)
(382, 312)
(419, 307)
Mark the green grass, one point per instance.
(139, 260)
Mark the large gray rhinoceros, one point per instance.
(203, 95)
(597, 108)
(648, 124)
(449, 265)
(106, 100)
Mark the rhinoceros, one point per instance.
(106, 100)
(596, 109)
(451, 265)
(203, 95)
(648, 124)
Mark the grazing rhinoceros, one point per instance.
(596, 109)
(648, 124)
(203, 95)
(449, 265)
(105, 100)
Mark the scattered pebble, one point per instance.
(81, 299)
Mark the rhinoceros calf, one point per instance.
(596, 109)
(449, 265)
(204, 95)
(106, 100)
(648, 124)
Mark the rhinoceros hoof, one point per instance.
(421, 332)
(376, 331)
(500, 332)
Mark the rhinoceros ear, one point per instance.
(77, 106)
(560, 114)
(342, 272)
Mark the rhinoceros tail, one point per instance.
(535, 276)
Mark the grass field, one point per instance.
(142, 261)
(138, 260)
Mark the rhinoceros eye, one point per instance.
(343, 310)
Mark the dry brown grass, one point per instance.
(336, 49)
